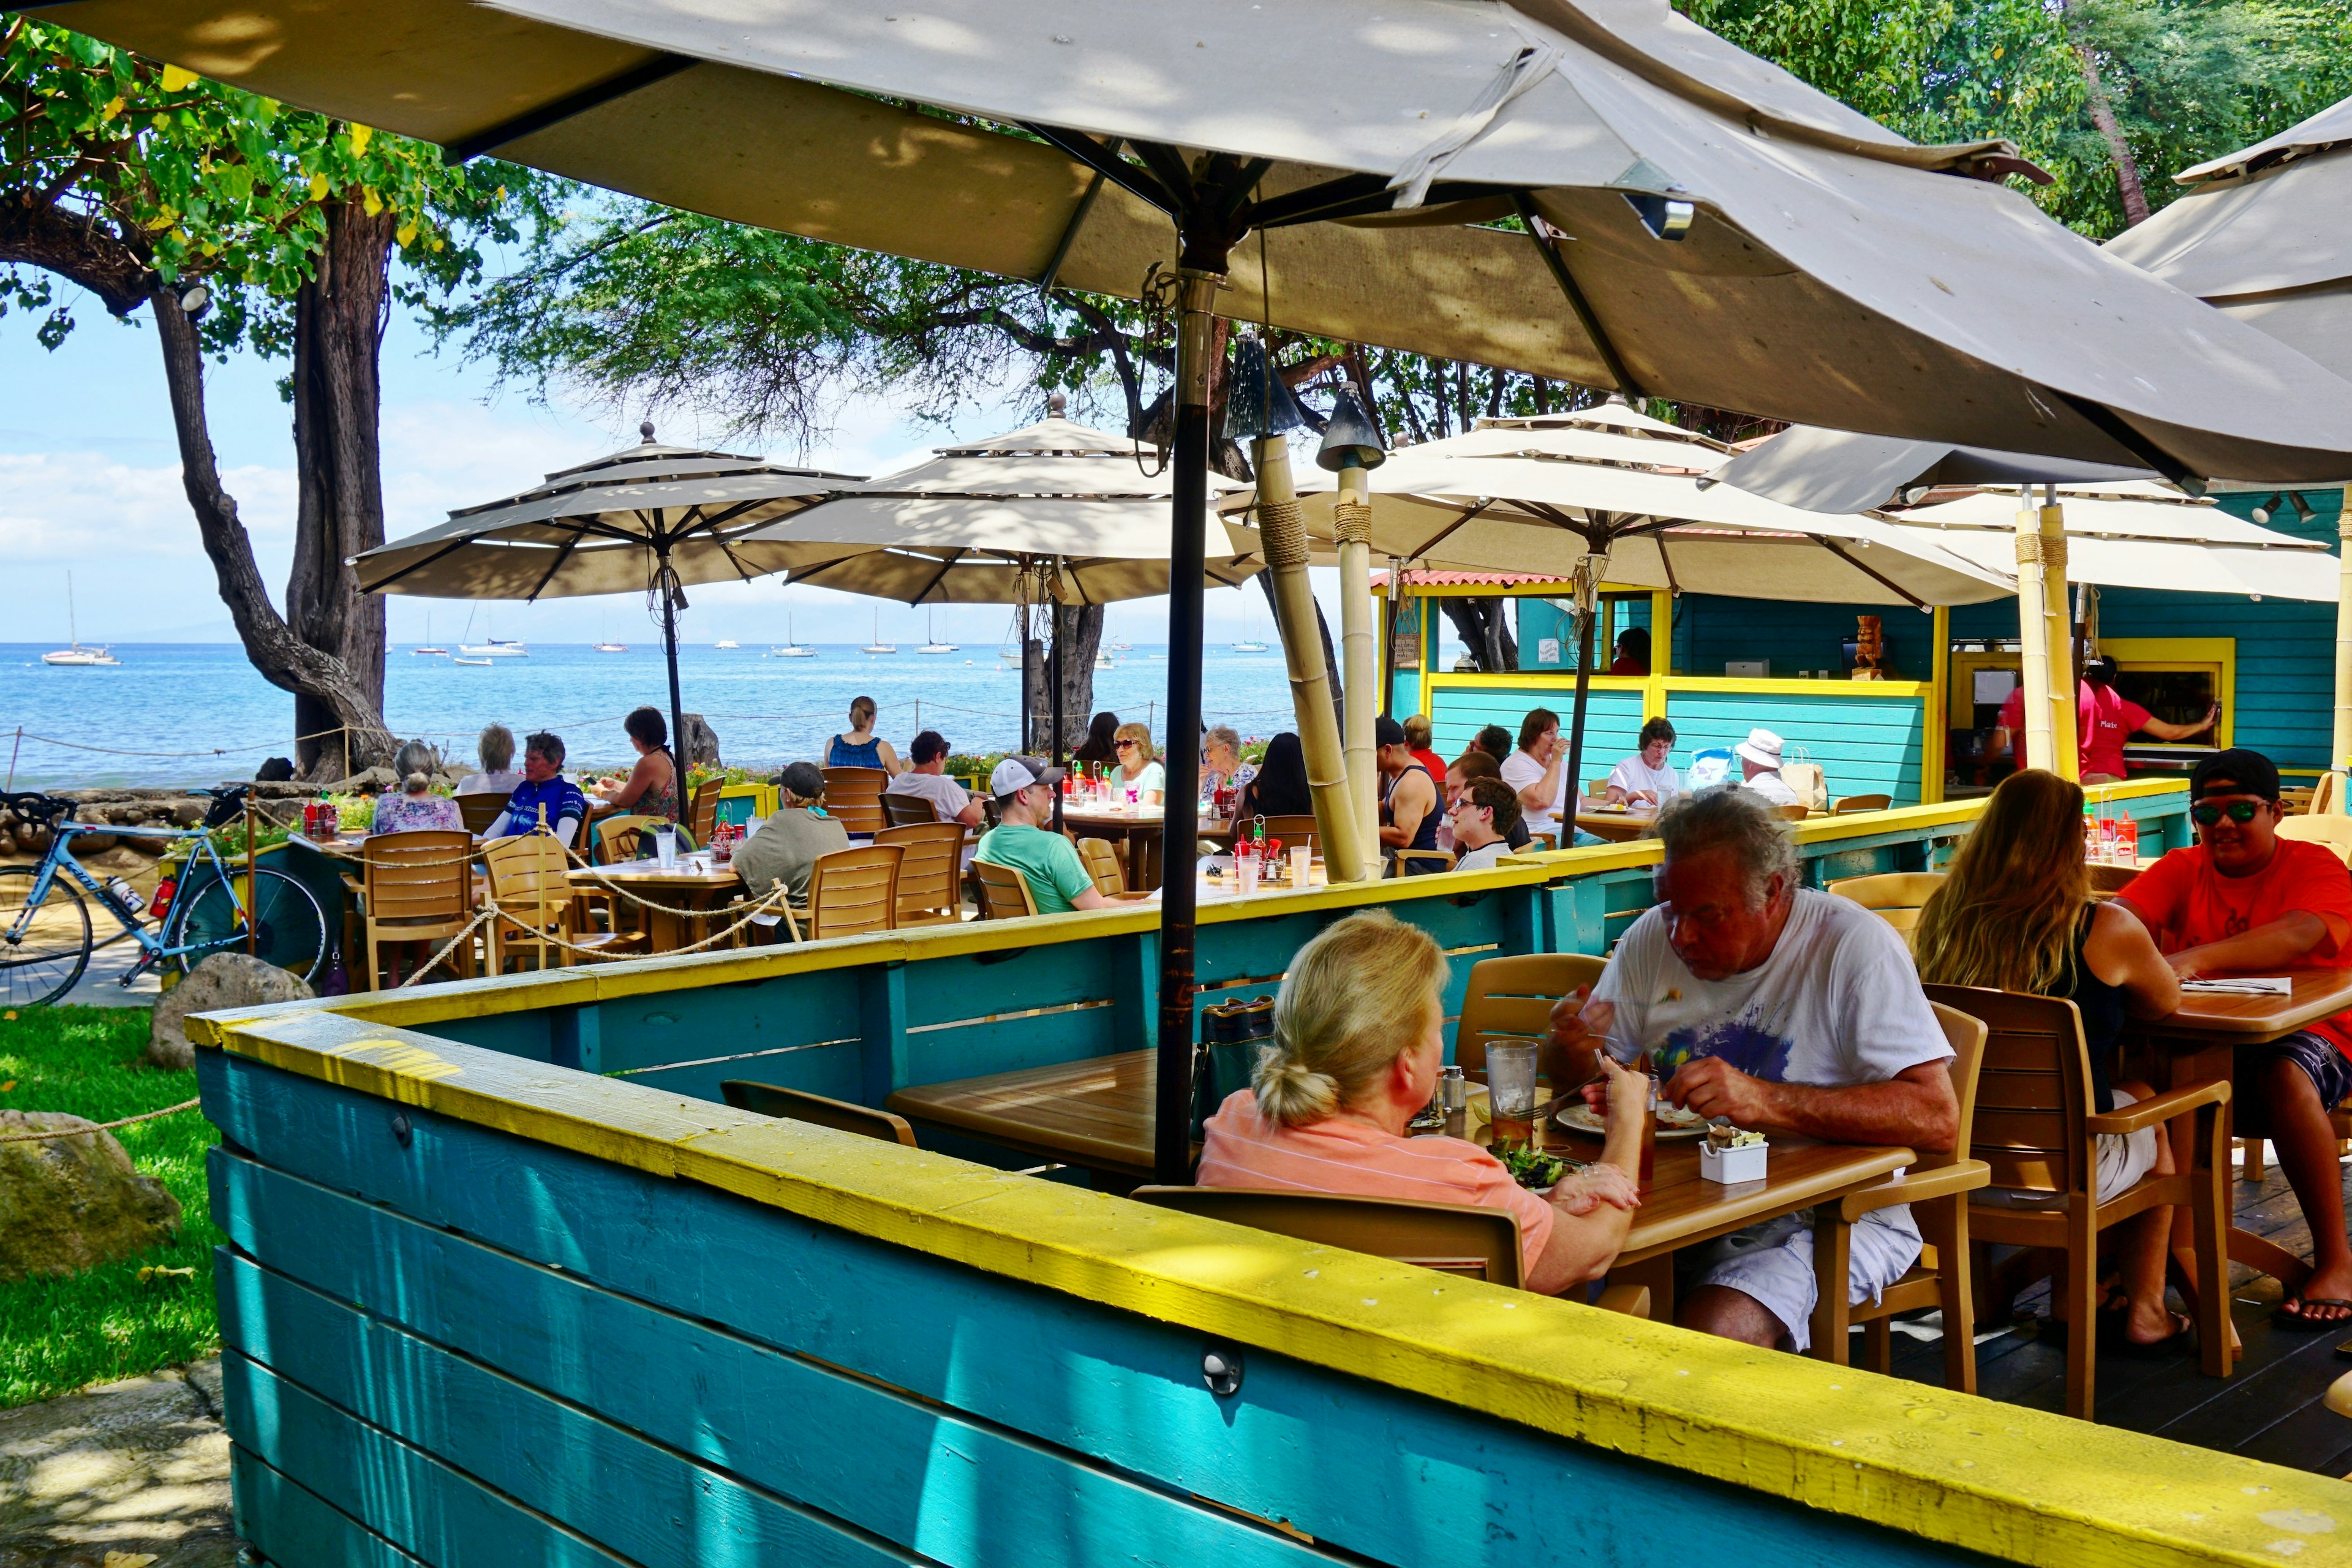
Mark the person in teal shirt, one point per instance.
(1049, 863)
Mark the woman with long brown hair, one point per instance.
(2015, 913)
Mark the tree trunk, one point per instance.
(2103, 115)
(339, 322)
(1079, 628)
(285, 661)
(1483, 624)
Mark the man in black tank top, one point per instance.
(1409, 812)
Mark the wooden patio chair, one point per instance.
(1003, 892)
(1396, 862)
(1510, 999)
(1101, 861)
(617, 839)
(1895, 897)
(853, 796)
(851, 892)
(904, 810)
(930, 876)
(1937, 1186)
(1295, 830)
(1793, 813)
(702, 812)
(1452, 1239)
(799, 1105)
(2327, 796)
(2335, 832)
(530, 882)
(417, 888)
(2033, 1128)
(481, 810)
(1854, 803)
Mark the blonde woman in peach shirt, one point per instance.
(1359, 1039)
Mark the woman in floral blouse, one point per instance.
(412, 810)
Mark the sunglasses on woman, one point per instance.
(1126, 745)
(2241, 812)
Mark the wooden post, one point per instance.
(2032, 639)
(2065, 736)
(1352, 514)
(252, 914)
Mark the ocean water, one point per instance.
(188, 713)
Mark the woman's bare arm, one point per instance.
(2120, 953)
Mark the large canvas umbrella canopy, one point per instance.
(649, 519)
(1053, 512)
(1700, 224)
(1612, 492)
(1843, 470)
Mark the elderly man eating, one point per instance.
(1778, 1007)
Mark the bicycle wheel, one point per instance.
(40, 962)
(290, 931)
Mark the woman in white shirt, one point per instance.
(1647, 779)
(1534, 771)
(1137, 771)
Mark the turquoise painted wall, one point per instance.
(1710, 631)
(1612, 725)
(1865, 745)
(1541, 620)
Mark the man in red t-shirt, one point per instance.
(2244, 900)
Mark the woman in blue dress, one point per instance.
(860, 747)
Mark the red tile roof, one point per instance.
(1472, 579)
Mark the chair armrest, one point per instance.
(1633, 1300)
(1916, 1187)
(2162, 1107)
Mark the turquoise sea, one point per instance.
(182, 713)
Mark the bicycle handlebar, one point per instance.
(37, 808)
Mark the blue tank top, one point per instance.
(843, 755)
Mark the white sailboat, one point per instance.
(429, 647)
(935, 646)
(792, 648)
(727, 642)
(878, 645)
(1249, 643)
(1103, 660)
(76, 656)
(490, 647)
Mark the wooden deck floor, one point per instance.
(2269, 1410)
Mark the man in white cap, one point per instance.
(1759, 755)
(1049, 863)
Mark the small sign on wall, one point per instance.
(1546, 650)
(1404, 650)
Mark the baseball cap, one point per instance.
(2250, 771)
(1014, 775)
(1387, 732)
(805, 780)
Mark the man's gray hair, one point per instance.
(1731, 817)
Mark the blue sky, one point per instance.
(89, 483)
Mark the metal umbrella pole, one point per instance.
(1588, 570)
(1054, 681)
(673, 598)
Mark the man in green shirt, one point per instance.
(1049, 863)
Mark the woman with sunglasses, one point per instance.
(2242, 899)
(1137, 773)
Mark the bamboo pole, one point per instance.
(1284, 532)
(2340, 749)
(2065, 682)
(2032, 639)
(1352, 519)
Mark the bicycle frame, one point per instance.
(152, 946)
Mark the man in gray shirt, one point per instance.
(788, 843)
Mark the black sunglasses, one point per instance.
(1126, 745)
(2241, 812)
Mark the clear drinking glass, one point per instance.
(1511, 1091)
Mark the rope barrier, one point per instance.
(492, 909)
(102, 1127)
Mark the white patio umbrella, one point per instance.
(1700, 223)
(648, 519)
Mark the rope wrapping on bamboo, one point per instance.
(1283, 526)
(2036, 549)
(102, 1127)
(1351, 523)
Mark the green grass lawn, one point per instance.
(57, 1335)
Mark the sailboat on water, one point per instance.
(429, 647)
(495, 647)
(792, 648)
(878, 645)
(77, 656)
(935, 645)
(1249, 643)
(604, 643)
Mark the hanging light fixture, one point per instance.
(2269, 509)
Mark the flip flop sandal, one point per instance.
(2115, 1342)
(2298, 1323)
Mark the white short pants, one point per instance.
(1773, 1263)
(2124, 1158)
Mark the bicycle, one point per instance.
(45, 933)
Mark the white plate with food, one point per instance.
(1577, 1117)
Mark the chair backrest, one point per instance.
(1793, 813)
(2335, 832)
(419, 876)
(1294, 830)
(1596, 789)
(799, 1105)
(1416, 862)
(1965, 1033)
(1895, 897)
(1101, 862)
(1004, 892)
(618, 839)
(931, 874)
(2032, 1090)
(481, 810)
(853, 796)
(853, 891)
(2328, 796)
(1860, 803)
(702, 816)
(1454, 1238)
(905, 809)
(1510, 999)
(2112, 879)
(530, 879)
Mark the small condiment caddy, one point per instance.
(1729, 1155)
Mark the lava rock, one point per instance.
(70, 1203)
(225, 980)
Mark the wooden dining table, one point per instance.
(692, 884)
(2201, 1040)
(1139, 829)
(1617, 827)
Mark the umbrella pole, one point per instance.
(668, 582)
(2032, 640)
(1171, 1121)
(1352, 520)
(2065, 737)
